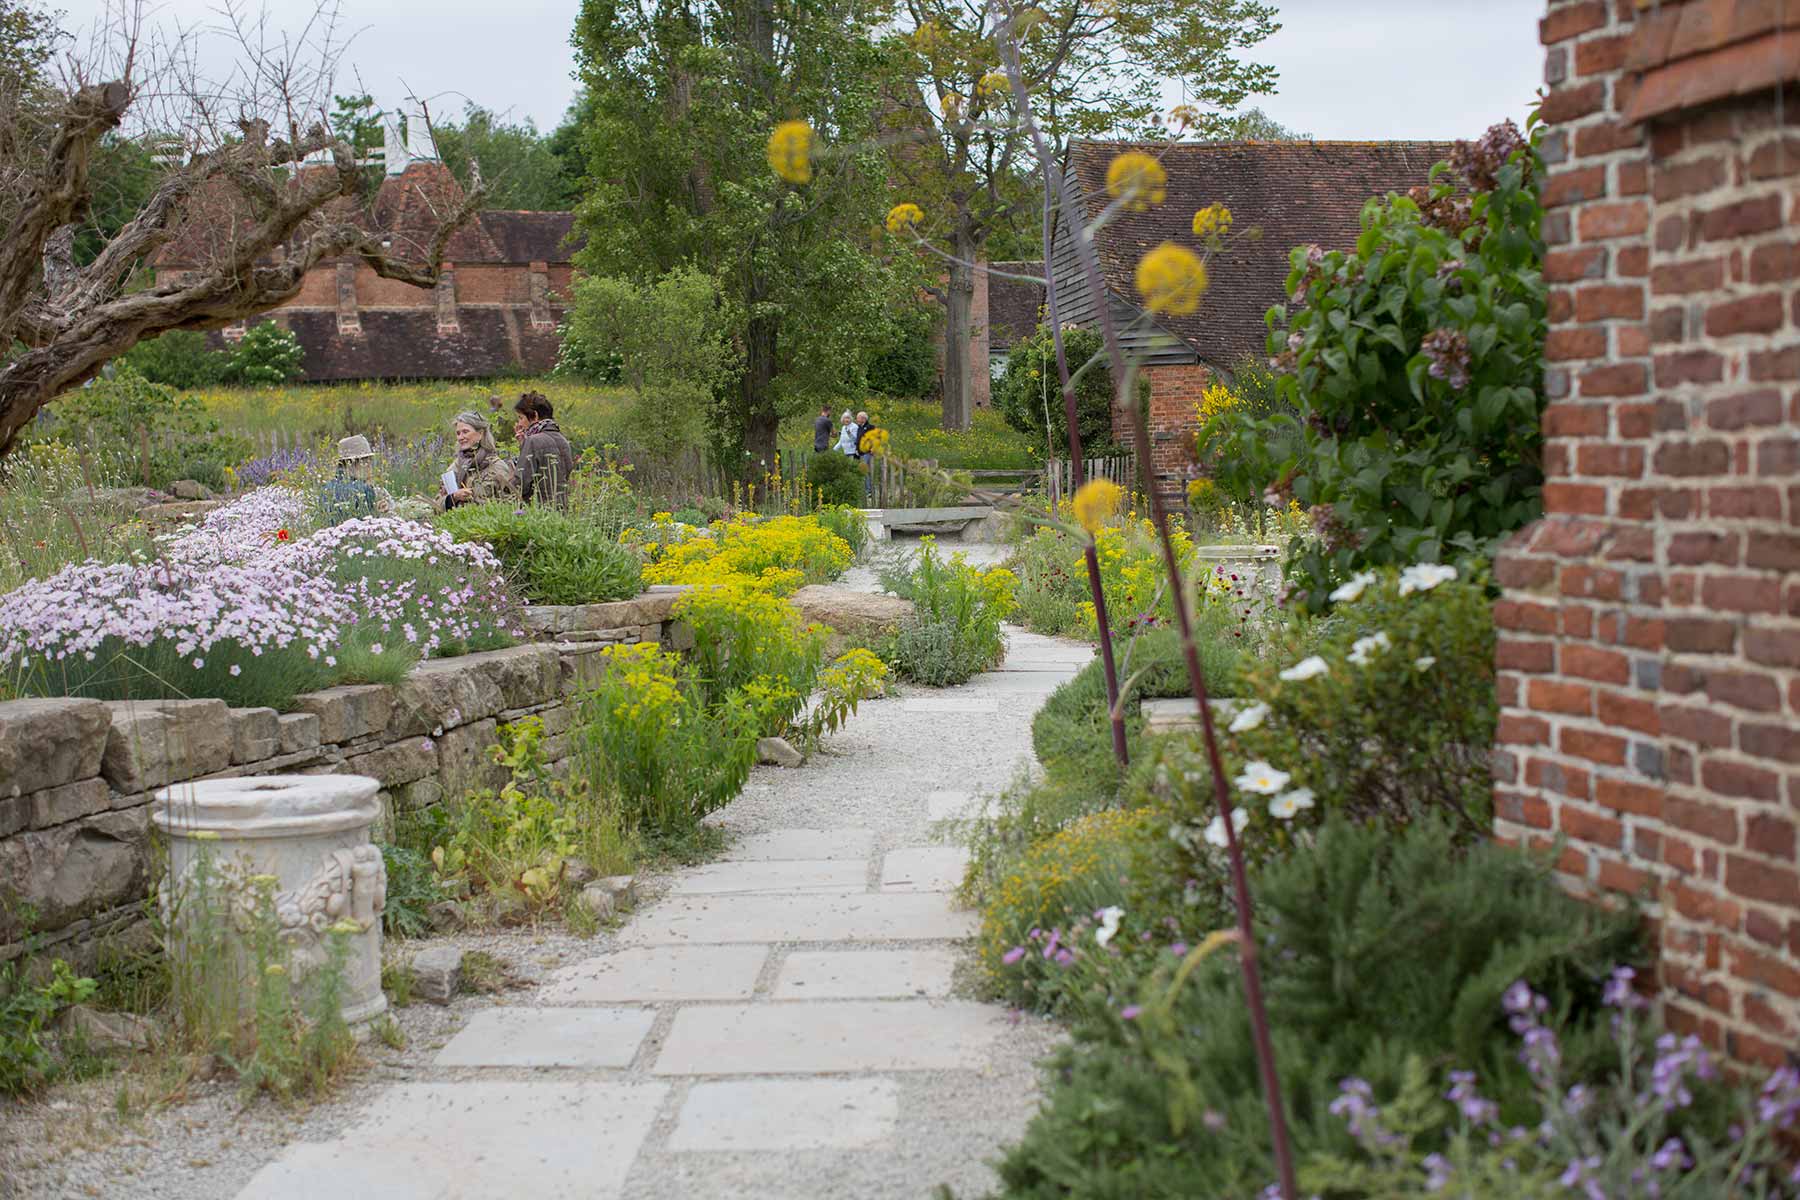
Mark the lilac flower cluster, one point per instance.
(260, 472)
(1448, 350)
(1479, 162)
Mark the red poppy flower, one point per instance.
(281, 535)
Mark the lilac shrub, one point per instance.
(1633, 1137)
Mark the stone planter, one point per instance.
(311, 834)
(1259, 566)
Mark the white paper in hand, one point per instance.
(450, 486)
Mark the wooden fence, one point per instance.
(1059, 479)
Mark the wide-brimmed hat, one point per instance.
(354, 447)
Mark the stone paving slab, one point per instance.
(786, 1114)
(803, 844)
(652, 975)
(865, 974)
(549, 1037)
(781, 875)
(829, 1036)
(955, 806)
(949, 704)
(1043, 682)
(924, 869)
(475, 1141)
(684, 920)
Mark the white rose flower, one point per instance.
(1215, 830)
(1422, 577)
(1261, 778)
(1349, 591)
(1364, 648)
(1286, 805)
(1306, 668)
(1250, 718)
(1425, 662)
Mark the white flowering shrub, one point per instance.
(1390, 715)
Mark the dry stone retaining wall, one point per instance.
(77, 776)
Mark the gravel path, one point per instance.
(783, 1023)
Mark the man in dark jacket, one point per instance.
(822, 430)
(546, 460)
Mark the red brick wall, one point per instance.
(1174, 400)
(1649, 647)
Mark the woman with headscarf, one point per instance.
(481, 473)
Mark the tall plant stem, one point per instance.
(1056, 184)
(1115, 711)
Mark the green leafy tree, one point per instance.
(1415, 368)
(670, 342)
(267, 354)
(518, 165)
(1092, 68)
(684, 95)
(1255, 125)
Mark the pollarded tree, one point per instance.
(256, 188)
(1093, 68)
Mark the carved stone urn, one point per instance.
(273, 870)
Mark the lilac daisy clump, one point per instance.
(260, 472)
(253, 635)
(243, 529)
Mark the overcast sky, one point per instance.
(1357, 69)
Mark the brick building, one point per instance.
(495, 310)
(1649, 647)
(1281, 194)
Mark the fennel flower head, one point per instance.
(904, 218)
(1095, 501)
(1137, 180)
(1171, 279)
(790, 151)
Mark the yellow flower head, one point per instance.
(1216, 399)
(904, 218)
(1137, 180)
(994, 83)
(1213, 220)
(952, 105)
(790, 151)
(1095, 501)
(1184, 117)
(874, 442)
(1171, 280)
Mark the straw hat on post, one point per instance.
(354, 447)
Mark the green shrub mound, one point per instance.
(1072, 733)
(1377, 947)
(550, 557)
(954, 632)
(836, 478)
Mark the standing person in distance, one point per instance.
(822, 430)
(846, 443)
(546, 460)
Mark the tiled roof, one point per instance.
(407, 210)
(1281, 195)
(1013, 304)
(407, 344)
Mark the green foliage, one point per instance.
(954, 632)
(1380, 947)
(1390, 720)
(670, 339)
(518, 165)
(266, 356)
(845, 520)
(1415, 365)
(412, 888)
(689, 93)
(837, 478)
(517, 842)
(26, 1009)
(179, 358)
(644, 736)
(907, 367)
(164, 435)
(550, 557)
(1072, 733)
(1029, 392)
